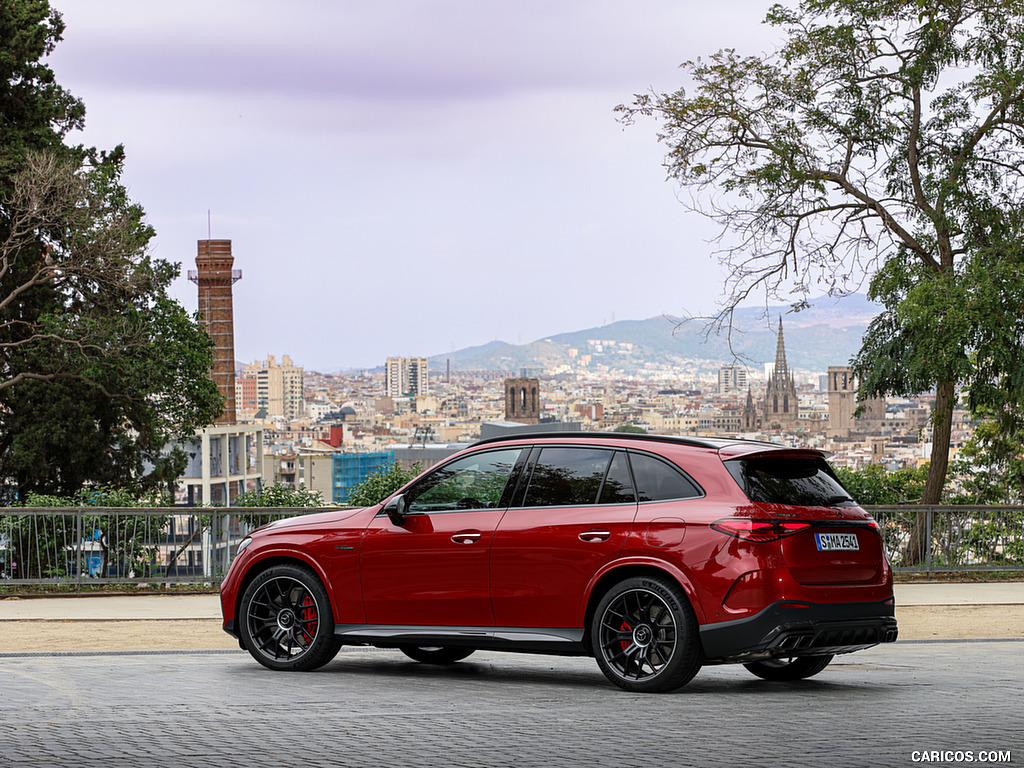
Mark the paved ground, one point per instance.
(217, 707)
(879, 707)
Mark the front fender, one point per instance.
(344, 612)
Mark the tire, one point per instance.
(285, 620)
(796, 668)
(644, 636)
(443, 655)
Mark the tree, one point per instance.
(989, 468)
(378, 485)
(99, 368)
(874, 485)
(37, 112)
(884, 140)
(42, 545)
(630, 428)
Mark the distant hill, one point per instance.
(827, 333)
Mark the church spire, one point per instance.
(781, 368)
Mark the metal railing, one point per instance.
(930, 539)
(194, 545)
(125, 545)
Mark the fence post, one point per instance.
(80, 529)
(929, 515)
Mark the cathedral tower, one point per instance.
(781, 409)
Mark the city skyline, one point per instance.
(424, 170)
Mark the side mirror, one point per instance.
(396, 509)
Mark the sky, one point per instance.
(406, 177)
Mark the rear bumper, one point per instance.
(787, 628)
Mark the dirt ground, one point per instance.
(916, 623)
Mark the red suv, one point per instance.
(653, 554)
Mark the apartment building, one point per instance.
(279, 387)
(406, 376)
(732, 378)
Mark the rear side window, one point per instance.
(801, 482)
(618, 485)
(569, 476)
(657, 480)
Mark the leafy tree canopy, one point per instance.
(884, 140)
(99, 368)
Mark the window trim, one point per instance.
(702, 494)
(518, 499)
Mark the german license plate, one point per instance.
(832, 541)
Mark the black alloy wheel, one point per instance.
(644, 636)
(795, 668)
(286, 620)
(442, 655)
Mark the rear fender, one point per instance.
(629, 566)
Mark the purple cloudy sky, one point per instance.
(406, 177)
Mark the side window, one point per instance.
(567, 476)
(618, 485)
(657, 480)
(472, 482)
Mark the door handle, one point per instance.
(465, 538)
(595, 535)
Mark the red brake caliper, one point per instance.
(309, 614)
(625, 628)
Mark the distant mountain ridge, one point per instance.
(828, 333)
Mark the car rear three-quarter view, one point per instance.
(655, 555)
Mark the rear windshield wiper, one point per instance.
(832, 500)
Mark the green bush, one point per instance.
(380, 484)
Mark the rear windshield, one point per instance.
(802, 482)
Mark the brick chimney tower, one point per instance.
(215, 278)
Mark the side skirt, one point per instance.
(562, 642)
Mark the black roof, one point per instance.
(716, 443)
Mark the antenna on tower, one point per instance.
(209, 225)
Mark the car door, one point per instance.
(431, 568)
(574, 515)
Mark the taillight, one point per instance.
(759, 530)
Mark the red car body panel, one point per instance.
(434, 569)
(542, 559)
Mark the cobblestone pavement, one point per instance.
(376, 708)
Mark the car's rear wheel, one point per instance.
(442, 655)
(644, 636)
(796, 668)
(286, 621)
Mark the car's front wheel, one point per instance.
(285, 620)
(442, 655)
(644, 636)
(796, 668)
